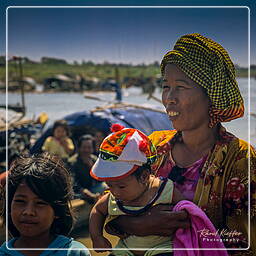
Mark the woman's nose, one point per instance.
(171, 97)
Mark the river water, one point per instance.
(58, 105)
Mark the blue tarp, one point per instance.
(145, 120)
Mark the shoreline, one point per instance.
(55, 92)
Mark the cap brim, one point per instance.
(111, 170)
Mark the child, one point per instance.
(59, 144)
(124, 164)
(39, 214)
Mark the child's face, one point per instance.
(59, 132)
(31, 215)
(127, 189)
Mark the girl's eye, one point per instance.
(42, 203)
(18, 201)
(121, 187)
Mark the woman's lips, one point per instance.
(173, 115)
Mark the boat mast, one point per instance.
(21, 83)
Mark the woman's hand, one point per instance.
(159, 220)
(101, 244)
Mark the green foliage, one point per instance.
(50, 66)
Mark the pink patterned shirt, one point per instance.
(191, 175)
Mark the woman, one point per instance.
(208, 164)
(80, 164)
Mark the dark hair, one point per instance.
(85, 137)
(47, 177)
(139, 171)
(63, 123)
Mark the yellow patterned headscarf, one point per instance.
(209, 65)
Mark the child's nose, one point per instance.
(29, 209)
(115, 192)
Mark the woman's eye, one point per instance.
(181, 87)
(121, 187)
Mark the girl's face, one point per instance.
(31, 215)
(127, 189)
(59, 132)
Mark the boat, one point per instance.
(20, 131)
(144, 118)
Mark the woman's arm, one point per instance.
(96, 223)
(159, 220)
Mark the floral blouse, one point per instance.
(222, 186)
(191, 173)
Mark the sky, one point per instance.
(121, 35)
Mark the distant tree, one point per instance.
(90, 63)
(48, 60)
(2, 60)
(27, 60)
(253, 66)
(156, 63)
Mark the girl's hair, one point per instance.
(62, 123)
(47, 177)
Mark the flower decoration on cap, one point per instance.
(122, 152)
(116, 127)
(143, 146)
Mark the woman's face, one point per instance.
(86, 147)
(185, 101)
(32, 216)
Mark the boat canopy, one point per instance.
(100, 119)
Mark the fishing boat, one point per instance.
(19, 132)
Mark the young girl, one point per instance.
(39, 214)
(59, 144)
(124, 164)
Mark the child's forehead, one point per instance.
(24, 190)
(121, 181)
(60, 127)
